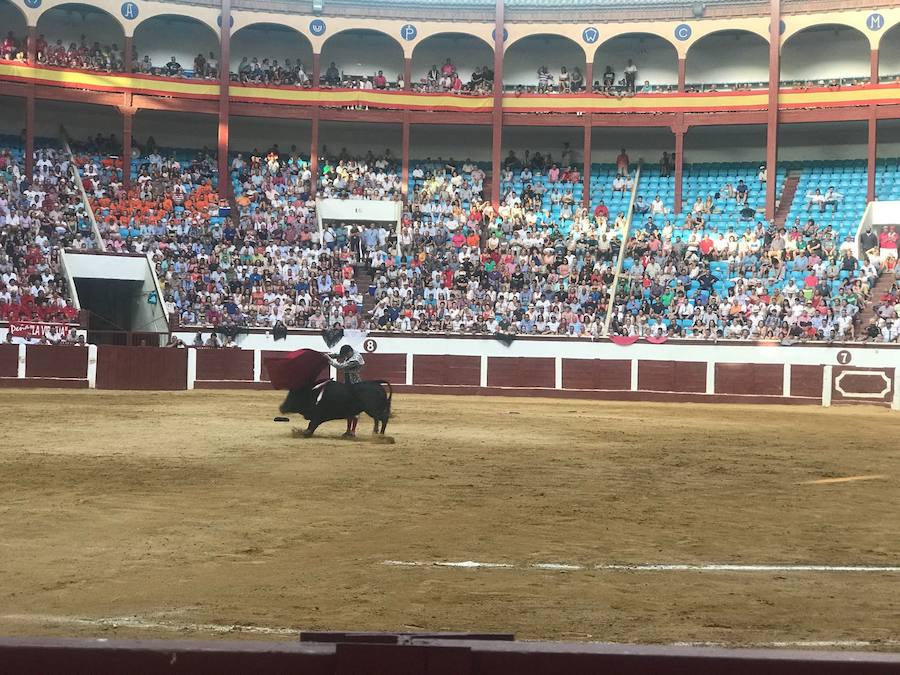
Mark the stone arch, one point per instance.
(728, 56)
(524, 56)
(362, 52)
(166, 35)
(656, 57)
(70, 21)
(264, 39)
(466, 51)
(825, 52)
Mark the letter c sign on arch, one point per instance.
(683, 32)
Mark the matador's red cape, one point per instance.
(296, 370)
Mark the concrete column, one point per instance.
(826, 386)
(772, 112)
(29, 133)
(871, 153)
(587, 161)
(31, 46)
(314, 152)
(407, 74)
(681, 70)
(497, 113)
(92, 367)
(873, 65)
(224, 93)
(20, 365)
(316, 70)
(126, 54)
(127, 122)
(404, 157)
(679, 168)
(191, 368)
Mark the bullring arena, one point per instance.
(618, 278)
(213, 522)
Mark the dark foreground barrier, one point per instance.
(412, 655)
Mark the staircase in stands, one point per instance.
(787, 197)
(881, 286)
(363, 281)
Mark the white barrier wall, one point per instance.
(733, 352)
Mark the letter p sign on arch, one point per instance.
(408, 32)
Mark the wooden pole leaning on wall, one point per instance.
(620, 260)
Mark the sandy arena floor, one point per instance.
(194, 515)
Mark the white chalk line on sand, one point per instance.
(147, 624)
(135, 622)
(649, 567)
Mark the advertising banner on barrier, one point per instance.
(34, 330)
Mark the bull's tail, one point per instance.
(390, 391)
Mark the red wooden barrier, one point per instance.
(447, 370)
(684, 376)
(224, 364)
(9, 360)
(591, 374)
(141, 368)
(806, 381)
(515, 371)
(761, 379)
(56, 361)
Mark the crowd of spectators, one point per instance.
(448, 79)
(757, 282)
(454, 264)
(203, 68)
(369, 177)
(270, 72)
(38, 218)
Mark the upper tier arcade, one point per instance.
(482, 62)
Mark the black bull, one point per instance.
(341, 401)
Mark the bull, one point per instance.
(339, 401)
